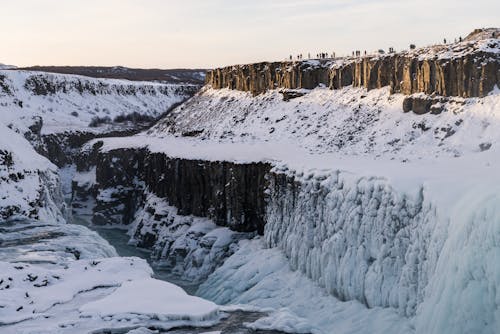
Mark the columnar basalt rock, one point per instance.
(467, 69)
(230, 194)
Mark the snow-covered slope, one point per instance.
(29, 183)
(351, 121)
(71, 102)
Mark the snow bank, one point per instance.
(154, 298)
(262, 277)
(30, 290)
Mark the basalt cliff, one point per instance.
(467, 69)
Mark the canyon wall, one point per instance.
(464, 74)
(230, 194)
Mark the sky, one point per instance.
(213, 33)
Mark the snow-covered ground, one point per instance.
(99, 294)
(63, 278)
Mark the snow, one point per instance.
(47, 287)
(29, 183)
(261, 277)
(188, 247)
(351, 121)
(61, 278)
(72, 102)
(6, 67)
(155, 298)
(285, 321)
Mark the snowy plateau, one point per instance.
(294, 210)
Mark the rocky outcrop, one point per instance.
(422, 104)
(63, 148)
(466, 69)
(118, 194)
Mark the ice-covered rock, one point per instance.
(188, 247)
(262, 277)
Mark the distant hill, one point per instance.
(6, 67)
(193, 76)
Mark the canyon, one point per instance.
(328, 195)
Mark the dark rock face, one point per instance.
(64, 148)
(119, 187)
(423, 104)
(470, 75)
(230, 194)
(4, 86)
(257, 78)
(289, 94)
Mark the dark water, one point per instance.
(118, 238)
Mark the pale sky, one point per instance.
(211, 33)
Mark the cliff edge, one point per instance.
(469, 68)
